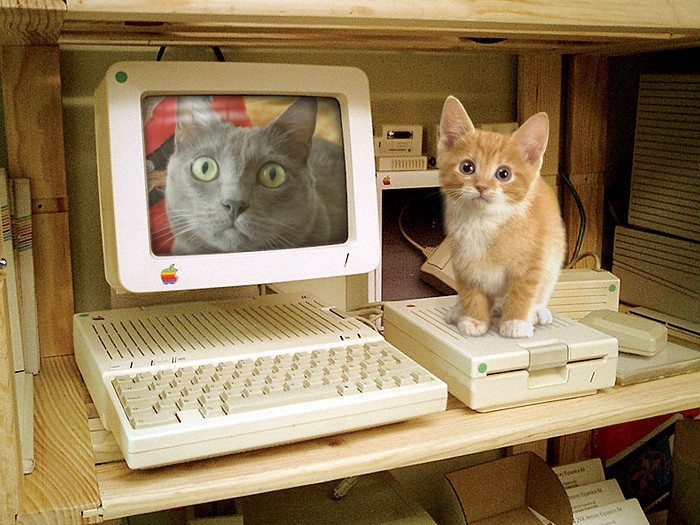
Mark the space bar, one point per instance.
(276, 399)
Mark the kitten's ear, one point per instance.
(297, 124)
(532, 137)
(192, 115)
(454, 122)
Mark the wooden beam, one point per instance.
(31, 22)
(572, 448)
(10, 457)
(540, 89)
(31, 89)
(571, 16)
(586, 136)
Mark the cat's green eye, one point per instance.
(272, 175)
(467, 167)
(503, 174)
(205, 169)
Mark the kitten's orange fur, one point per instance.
(507, 236)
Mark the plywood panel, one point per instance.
(63, 483)
(31, 89)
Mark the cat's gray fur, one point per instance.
(235, 212)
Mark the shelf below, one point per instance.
(66, 483)
(457, 431)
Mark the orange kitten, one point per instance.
(503, 223)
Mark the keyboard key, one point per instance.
(152, 420)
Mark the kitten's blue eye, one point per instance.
(467, 167)
(272, 175)
(205, 169)
(504, 174)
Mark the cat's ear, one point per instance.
(192, 115)
(454, 122)
(297, 124)
(532, 137)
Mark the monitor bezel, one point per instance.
(130, 264)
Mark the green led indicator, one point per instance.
(121, 77)
(482, 368)
(612, 288)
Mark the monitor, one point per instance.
(219, 174)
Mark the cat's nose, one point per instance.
(481, 189)
(235, 208)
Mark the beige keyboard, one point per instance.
(172, 396)
(248, 403)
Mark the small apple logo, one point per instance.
(169, 275)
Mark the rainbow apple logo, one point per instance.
(168, 276)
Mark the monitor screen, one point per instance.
(224, 174)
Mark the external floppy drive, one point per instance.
(562, 359)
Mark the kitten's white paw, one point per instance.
(516, 328)
(542, 314)
(471, 326)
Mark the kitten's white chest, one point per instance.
(472, 236)
(473, 232)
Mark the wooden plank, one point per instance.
(560, 26)
(574, 16)
(586, 136)
(10, 457)
(539, 89)
(455, 432)
(63, 483)
(536, 447)
(30, 22)
(54, 285)
(572, 448)
(31, 90)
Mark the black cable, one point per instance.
(219, 55)
(161, 52)
(582, 214)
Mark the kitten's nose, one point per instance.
(481, 189)
(235, 208)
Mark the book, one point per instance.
(24, 384)
(12, 310)
(24, 260)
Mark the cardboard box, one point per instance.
(504, 491)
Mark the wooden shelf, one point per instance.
(63, 484)
(560, 26)
(67, 486)
(66, 480)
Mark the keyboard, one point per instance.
(184, 382)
